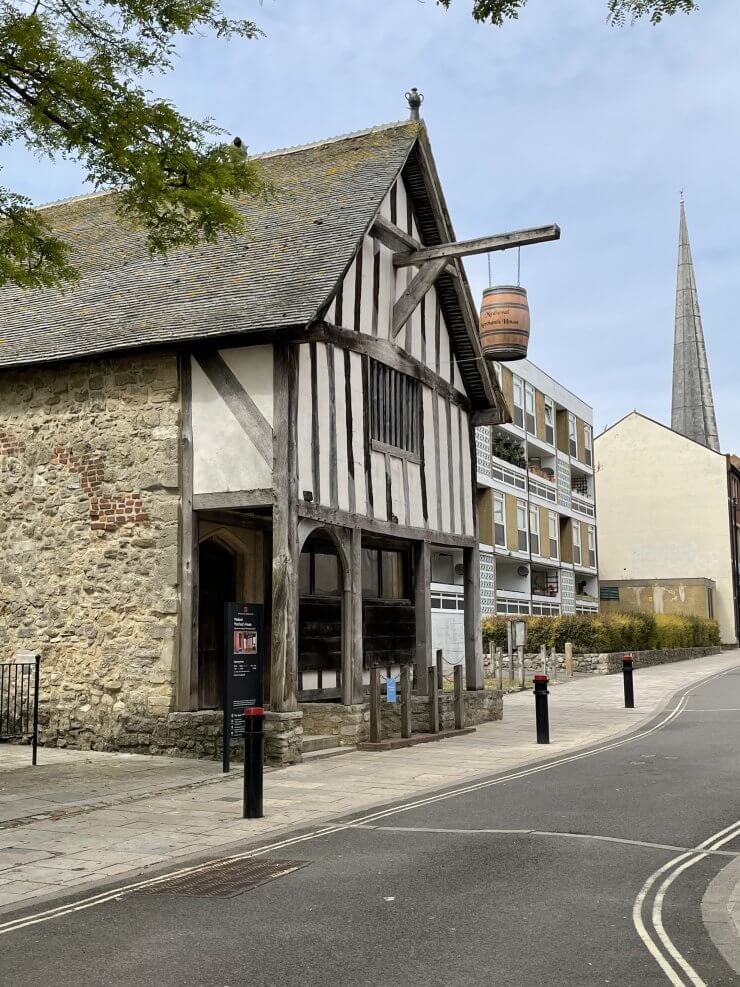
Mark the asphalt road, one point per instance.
(430, 895)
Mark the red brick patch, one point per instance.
(10, 445)
(106, 512)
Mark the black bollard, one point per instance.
(540, 709)
(254, 755)
(629, 690)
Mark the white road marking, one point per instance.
(678, 864)
(544, 832)
(112, 894)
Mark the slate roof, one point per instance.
(281, 272)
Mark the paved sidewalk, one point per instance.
(83, 818)
(720, 910)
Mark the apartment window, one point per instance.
(576, 542)
(534, 529)
(588, 454)
(529, 408)
(592, 546)
(394, 408)
(553, 526)
(518, 402)
(499, 521)
(521, 525)
(549, 422)
(572, 439)
(609, 593)
(710, 603)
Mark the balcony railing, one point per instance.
(546, 490)
(582, 505)
(506, 474)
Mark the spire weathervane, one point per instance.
(692, 410)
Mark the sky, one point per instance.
(556, 117)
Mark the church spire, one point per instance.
(692, 411)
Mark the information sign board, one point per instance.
(390, 687)
(243, 667)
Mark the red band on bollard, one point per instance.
(540, 678)
(627, 660)
(254, 711)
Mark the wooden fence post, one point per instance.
(554, 657)
(522, 676)
(500, 669)
(440, 675)
(543, 656)
(433, 700)
(569, 659)
(375, 731)
(405, 701)
(459, 706)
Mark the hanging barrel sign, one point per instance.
(504, 323)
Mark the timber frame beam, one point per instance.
(414, 294)
(481, 245)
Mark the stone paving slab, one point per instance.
(133, 812)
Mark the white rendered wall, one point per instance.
(224, 458)
(663, 510)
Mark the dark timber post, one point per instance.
(254, 757)
(405, 701)
(440, 669)
(433, 699)
(284, 651)
(629, 690)
(423, 611)
(375, 705)
(540, 708)
(459, 701)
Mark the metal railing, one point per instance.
(19, 701)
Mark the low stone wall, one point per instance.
(610, 663)
(646, 659)
(480, 707)
(349, 724)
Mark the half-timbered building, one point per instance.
(285, 417)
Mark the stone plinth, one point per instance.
(284, 737)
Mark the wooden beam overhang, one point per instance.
(398, 240)
(490, 416)
(346, 519)
(481, 245)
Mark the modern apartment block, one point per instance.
(536, 506)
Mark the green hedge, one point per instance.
(608, 632)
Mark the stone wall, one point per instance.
(89, 482)
(349, 724)
(610, 663)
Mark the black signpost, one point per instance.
(243, 671)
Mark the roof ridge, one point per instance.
(277, 152)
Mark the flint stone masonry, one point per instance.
(89, 481)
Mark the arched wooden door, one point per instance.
(217, 586)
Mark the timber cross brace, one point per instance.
(432, 261)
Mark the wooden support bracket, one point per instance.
(420, 285)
